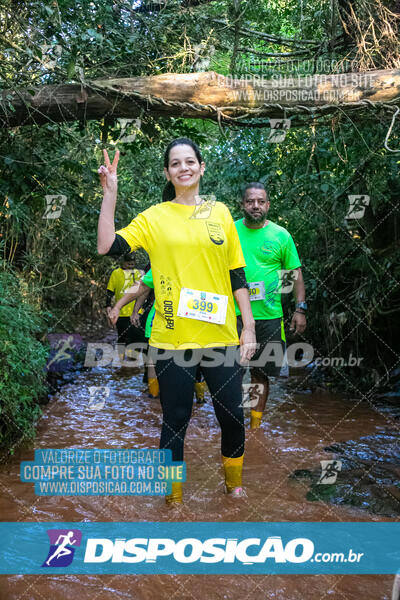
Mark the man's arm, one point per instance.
(138, 305)
(141, 300)
(299, 289)
(298, 322)
(134, 292)
(110, 292)
(109, 297)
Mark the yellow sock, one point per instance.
(199, 389)
(176, 496)
(233, 472)
(255, 419)
(154, 388)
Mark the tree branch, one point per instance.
(200, 95)
(274, 39)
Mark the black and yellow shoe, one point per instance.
(199, 390)
(255, 419)
(176, 497)
(153, 387)
(233, 468)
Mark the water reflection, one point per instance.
(294, 433)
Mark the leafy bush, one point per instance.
(23, 359)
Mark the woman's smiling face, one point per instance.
(184, 170)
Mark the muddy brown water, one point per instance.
(295, 430)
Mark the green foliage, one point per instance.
(23, 359)
(351, 270)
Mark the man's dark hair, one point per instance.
(128, 257)
(254, 184)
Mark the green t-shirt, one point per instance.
(266, 251)
(148, 280)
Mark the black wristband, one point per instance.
(109, 297)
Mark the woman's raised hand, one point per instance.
(108, 173)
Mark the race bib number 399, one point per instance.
(204, 306)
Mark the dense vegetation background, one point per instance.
(50, 275)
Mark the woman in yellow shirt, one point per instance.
(197, 265)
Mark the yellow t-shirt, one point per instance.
(119, 282)
(188, 252)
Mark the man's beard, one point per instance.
(254, 220)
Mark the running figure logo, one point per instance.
(203, 207)
(54, 206)
(330, 470)
(63, 346)
(286, 281)
(279, 128)
(252, 393)
(61, 552)
(357, 206)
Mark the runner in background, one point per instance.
(142, 308)
(120, 280)
(142, 316)
(271, 261)
(200, 386)
(141, 292)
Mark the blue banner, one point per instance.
(105, 472)
(200, 548)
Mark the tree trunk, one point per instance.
(200, 95)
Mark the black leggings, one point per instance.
(199, 375)
(176, 396)
(128, 333)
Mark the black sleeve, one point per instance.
(119, 246)
(238, 279)
(109, 297)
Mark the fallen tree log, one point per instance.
(202, 96)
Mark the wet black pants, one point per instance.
(176, 396)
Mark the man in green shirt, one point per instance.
(272, 263)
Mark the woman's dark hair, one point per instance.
(169, 190)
